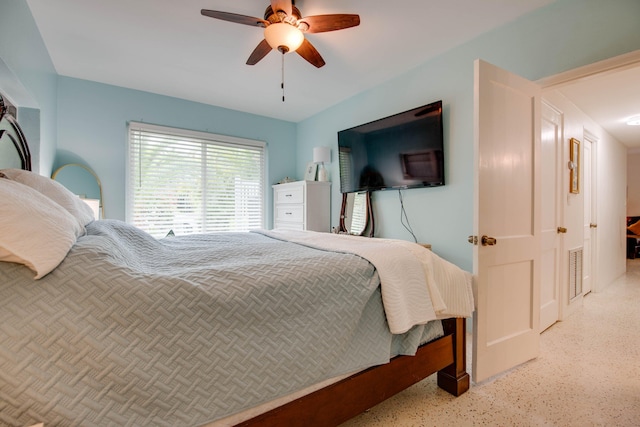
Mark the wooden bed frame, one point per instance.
(351, 396)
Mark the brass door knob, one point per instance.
(488, 241)
(562, 230)
(592, 225)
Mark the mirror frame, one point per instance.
(55, 173)
(369, 226)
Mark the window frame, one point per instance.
(205, 137)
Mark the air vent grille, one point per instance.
(575, 273)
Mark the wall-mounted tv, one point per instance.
(400, 151)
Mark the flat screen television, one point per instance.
(400, 151)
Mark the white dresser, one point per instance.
(302, 205)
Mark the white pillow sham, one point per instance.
(36, 231)
(55, 191)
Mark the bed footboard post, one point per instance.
(454, 378)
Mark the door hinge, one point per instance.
(473, 240)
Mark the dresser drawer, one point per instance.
(289, 194)
(289, 213)
(288, 226)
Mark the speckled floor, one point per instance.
(588, 374)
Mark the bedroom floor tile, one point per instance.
(587, 374)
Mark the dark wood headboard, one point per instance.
(14, 150)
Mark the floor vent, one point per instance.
(575, 273)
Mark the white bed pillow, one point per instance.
(36, 231)
(55, 191)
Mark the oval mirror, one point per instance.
(356, 216)
(83, 181)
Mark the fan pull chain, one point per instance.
(282, 83)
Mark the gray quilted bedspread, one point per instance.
(133, 331)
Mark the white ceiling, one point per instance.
(610, 99)
(168, 47)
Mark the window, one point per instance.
(193, 182)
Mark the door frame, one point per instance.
(593, 140)
(610, 65)
(552, 114)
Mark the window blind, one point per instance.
(359, 213)
(193, 182)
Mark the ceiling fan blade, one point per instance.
(324, 23)
(308, 52)
(283, 5)
(259, 52)
(234, 17)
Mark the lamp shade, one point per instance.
(282, 34)
(321, 155)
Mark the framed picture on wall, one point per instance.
(574, 166)
(310, 174)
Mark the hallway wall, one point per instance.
(611, 203)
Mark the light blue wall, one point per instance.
(92, 129)
(28, 78)
(559, 37)
(92, 126)
(89, 119)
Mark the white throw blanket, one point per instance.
(417, 285)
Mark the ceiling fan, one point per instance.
(284, 29)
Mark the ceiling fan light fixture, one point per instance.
(283, 37)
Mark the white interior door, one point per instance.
(506, 221)
(551, 228)
(590, 222)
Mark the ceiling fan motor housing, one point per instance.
(284, 29)
(271, 16)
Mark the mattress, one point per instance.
(129, 330)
